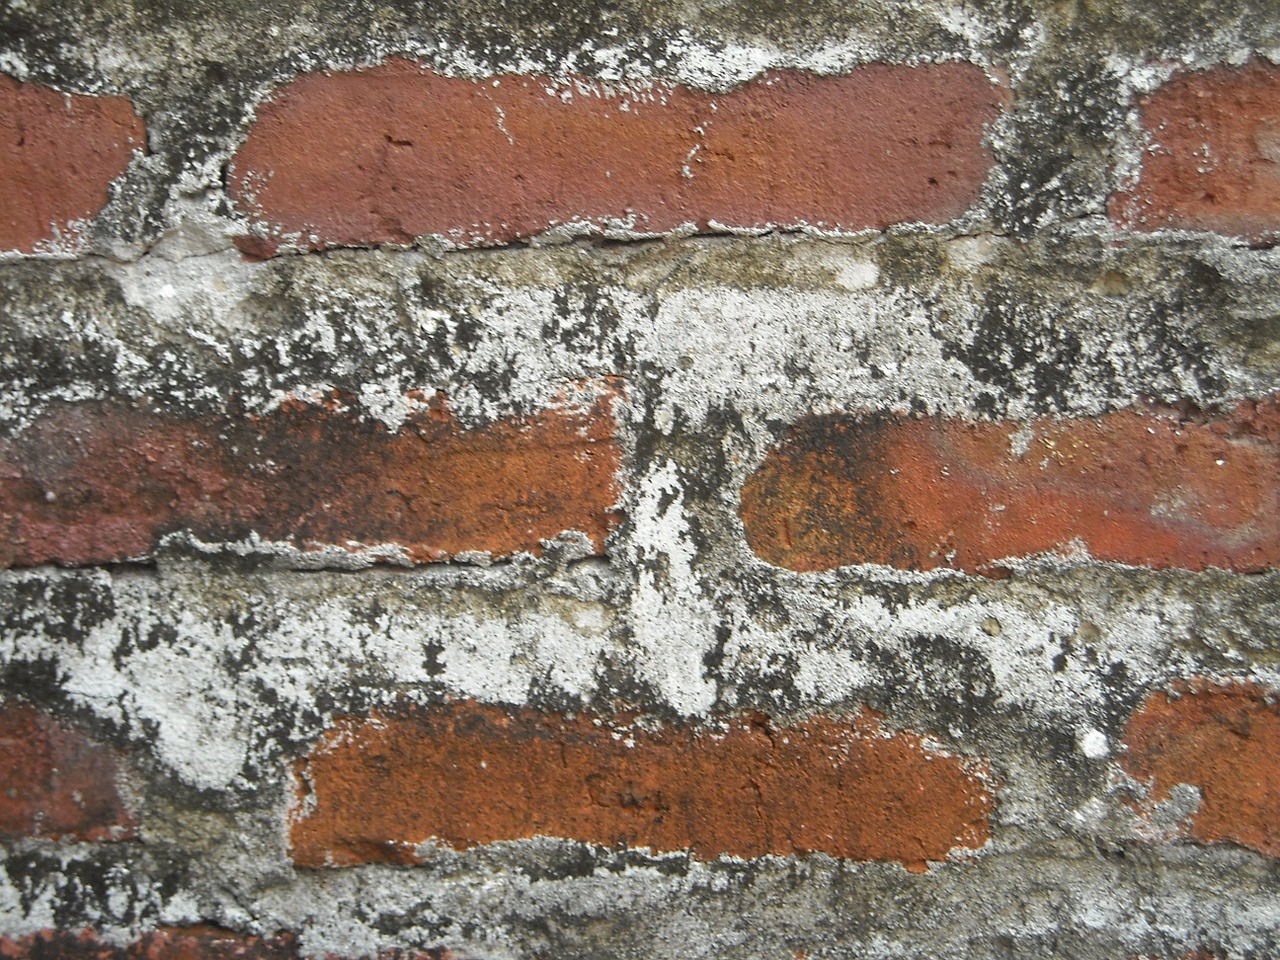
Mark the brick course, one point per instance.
(100, 482)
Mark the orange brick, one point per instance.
(1224, 740)
(1144, 487)
(374, 790)
(99, 482)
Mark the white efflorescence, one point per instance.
(1094, 744)
(724, 346)
(201, 696)
(171, 665)
(672, 623)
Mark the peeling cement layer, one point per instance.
(222, 671)
(579, 903)
(775, 329)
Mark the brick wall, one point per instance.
(639, 479)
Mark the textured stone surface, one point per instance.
(216, 669)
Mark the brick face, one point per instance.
(1213, 162)
(374, 790)
(58, 155)
(175, 943)
(56, 783)
(391, 153)
(192, 943)
(1222, 738)
(1143, 487)
(97, 482)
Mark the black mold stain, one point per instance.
(119, 884)
(1037, 333)
(64, 609)
(1058, 164)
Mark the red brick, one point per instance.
(175, 943)
(375, 790)
(388, 154)
(100, 482)
(55, 782)
(59, 153)
(1223, 738)
(1146, 487)
(189, 943)
(1214, 158)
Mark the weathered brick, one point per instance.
(98, 482)
(55, 782)
(1213, 162)
(395, 152)
(190, 943)
(1223, 739)
(1146, 487)
(175, 943)
(59, 153)
(377, 790)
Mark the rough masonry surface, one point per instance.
(639, 479)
